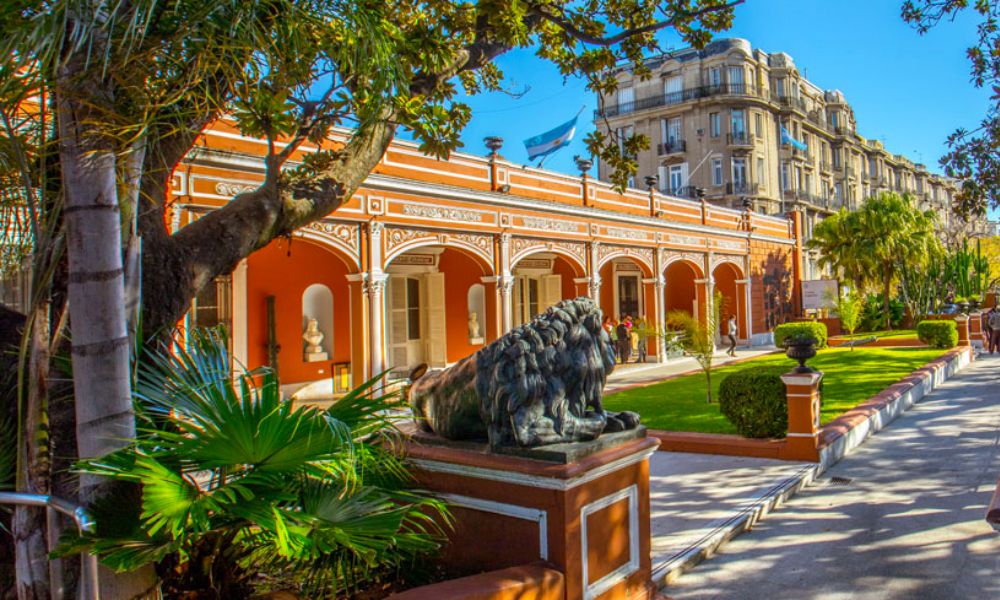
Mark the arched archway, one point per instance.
(299, 276)
(682, 289)
(427, 305)
(542, 279)
(729, 281)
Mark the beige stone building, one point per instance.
(721, 123)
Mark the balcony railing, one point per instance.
(743, 187)
(740, 139)
(789, 102)
(825, 167)
(671, 147)
(729, 89)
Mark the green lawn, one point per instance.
(850, 378)
(895, 333)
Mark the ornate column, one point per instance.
(373, 288)
(595, 276)
(505, 286)
(240, 315)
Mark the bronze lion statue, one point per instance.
(539, 384)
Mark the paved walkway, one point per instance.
(900, 517)
(633, 374)
(689, 510)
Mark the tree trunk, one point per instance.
(101, 384)
(708, 380)
(29, 525)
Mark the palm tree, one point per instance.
(867, 245)
(237, 482)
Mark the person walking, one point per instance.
(984, 325)
(994, 323)
(731, 331)
(624, 342)
(639, 330)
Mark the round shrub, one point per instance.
(938, 334)
(754, 401)
(804, 328)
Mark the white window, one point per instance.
(784, 176)
(714, 125)
(673, 89)
(738, 124)
(758, 120)
(809, 183)
(623, 134)
(779, 87)
(760, 171)
(674, 131)
(798, 177)
(739, 173)
(838, 192)
(626, 98)
(716, 171)
(736, 83)
(715, 77)
(676, 179)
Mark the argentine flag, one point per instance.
(786, 138)
(550, 141)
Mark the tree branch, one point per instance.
(546, 12)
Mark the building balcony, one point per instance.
(825, 167)
(740, 140)
(842, 130)
(671, 147)
(708, 91)
(789, 102)
(849, 172)
(687, 191)
(742, 188)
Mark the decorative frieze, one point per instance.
(668, 256)
(685, 240)
(524, 246)
(441, 213)
(626, 234)
(606, 252)
(396, 237)
(229, 189)
(342, 232)
(547, 224)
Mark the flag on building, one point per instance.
(552, 140)
(786, 138)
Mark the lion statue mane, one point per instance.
(539, 384)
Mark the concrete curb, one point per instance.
(916, 386)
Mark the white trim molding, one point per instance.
(631, 493)
(508, 510)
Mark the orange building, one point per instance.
(397, 275)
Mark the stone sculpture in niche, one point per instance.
(313, 337)
(539, 384)
(475, 336)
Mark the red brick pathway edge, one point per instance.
(928, 376)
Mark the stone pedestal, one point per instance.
(962, 322)
(583, 508)
(317, 356)
(802, 391)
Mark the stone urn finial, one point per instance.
(801, 348)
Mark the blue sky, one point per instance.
(908, 90)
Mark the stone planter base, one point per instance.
(582, 509)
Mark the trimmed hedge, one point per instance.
(938, 334)
(809, 328)
(754, 401)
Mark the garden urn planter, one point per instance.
(801, 349)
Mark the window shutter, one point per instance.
(398, 358)
(437, 350)
(551, 291)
